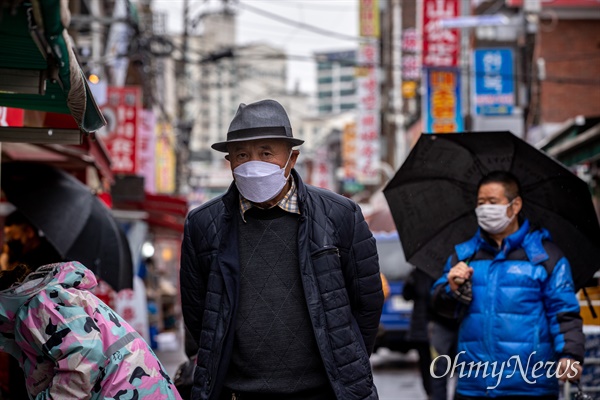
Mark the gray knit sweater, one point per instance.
(274, 346)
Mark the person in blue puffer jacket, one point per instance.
(511, 287)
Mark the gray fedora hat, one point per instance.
(265, 119)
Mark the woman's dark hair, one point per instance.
(512, 187)
(12, 276)
(16, 218)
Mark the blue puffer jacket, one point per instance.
(340, 277)
(524, 314)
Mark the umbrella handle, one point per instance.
(589, 301)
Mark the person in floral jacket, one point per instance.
(69, 343)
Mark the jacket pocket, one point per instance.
(327, 267)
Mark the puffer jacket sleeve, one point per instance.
(367, 293)
(70, 338)
(443, 302)
(562, 308)
(192, 283)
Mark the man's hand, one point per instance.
(460, 271)
(569, 369)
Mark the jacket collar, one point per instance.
(527, 237)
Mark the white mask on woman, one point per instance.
(260, 181)
(492, 218)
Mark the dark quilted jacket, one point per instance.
(340, 276)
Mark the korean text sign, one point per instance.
(494, 81)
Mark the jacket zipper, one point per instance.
(328, 249)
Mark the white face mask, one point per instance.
(492, 218)
(260, 181)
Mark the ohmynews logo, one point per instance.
(496, 370)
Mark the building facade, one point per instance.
(336, 84)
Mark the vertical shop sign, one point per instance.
(367, 126)
(122, 111)
(494, 82)
(441, 106)
(146, 150)
(349, 152)
(165, 158)
(369, 18)
(441, 47)
(411, 66)
(321, 173)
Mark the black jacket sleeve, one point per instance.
(192, 283)
(366, 294)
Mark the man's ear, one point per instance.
(227, 157)
(517, 204)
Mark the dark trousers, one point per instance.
(443, 340)
(461, 397)
(312, 394)
(424, 350)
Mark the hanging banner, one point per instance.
(367, 125)
(146, 149)
(440, 47)
(441, 103)
(494, 82)
(122, 111)
(321, 172)
(411, 62)
(349, 151)
(369, 18)
(165, 158)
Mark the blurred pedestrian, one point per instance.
(512, 289)
(70, 344)
(280, 282)
(417, 288)
(23, 244)
(443, 335)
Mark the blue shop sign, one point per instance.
(494, 82)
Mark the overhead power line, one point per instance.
(301, 25)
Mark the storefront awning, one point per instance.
(576, 143)
(160, 210)
(73, 158)
(38, 67)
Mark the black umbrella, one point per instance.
(433, 196)
(74, 221)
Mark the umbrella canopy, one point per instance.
(434, 194)
(74, 221)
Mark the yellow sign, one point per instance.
(369, 18)
(165, 158)
(409, 89)
(349, 151)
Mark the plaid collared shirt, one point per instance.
(289, 202)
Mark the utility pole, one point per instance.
(388, 123)
(184, 125)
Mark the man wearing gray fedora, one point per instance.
(280, 283)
